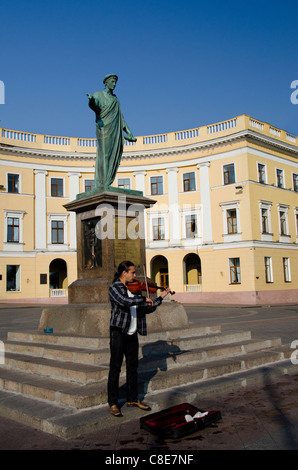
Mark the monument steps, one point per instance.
(74, 393)
(61, 370)
(60, 353)
(87, 342)
(103, 342)
(68, 398)
(195, 373)
(60, 392)
(68, 423)
(84, 395)
(102, 355)
(204, 355)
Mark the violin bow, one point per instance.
(146, 282)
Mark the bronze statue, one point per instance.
(109, 132)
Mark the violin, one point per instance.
(137, 287)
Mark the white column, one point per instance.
(40, 210)
(140, 181)
(174, 220)
(74, 189)
(140, 186)
(205, 202)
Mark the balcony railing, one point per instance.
(58, 293)
(193, 287)
(189, 136)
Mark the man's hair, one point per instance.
(123, 266)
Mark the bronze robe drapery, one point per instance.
(109, 134)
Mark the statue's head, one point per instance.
(110, 81)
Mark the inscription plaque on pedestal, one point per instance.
(126, 248)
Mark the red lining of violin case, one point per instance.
(172, 423)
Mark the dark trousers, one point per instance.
(122, 345)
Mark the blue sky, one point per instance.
(181, 64)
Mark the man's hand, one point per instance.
(149, 302)
(165, 292)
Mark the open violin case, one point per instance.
(178, 421)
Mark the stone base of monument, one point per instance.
(94, 319)
(110, 228)
(89, 291)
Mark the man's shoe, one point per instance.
(114, 410)
(139, 404)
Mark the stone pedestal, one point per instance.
(110, 229)
(94, 319)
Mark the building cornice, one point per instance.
(249, 135)
(40, 153)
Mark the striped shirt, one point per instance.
(121, 303)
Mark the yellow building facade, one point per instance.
(223, 230)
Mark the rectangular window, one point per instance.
(13, 278)
(124, 183)
(229, 173)
(156, 185)
(12, 183)
(265, 221)
(262, 173)
(268, 269)
(279, 178)
(57, 231)
(191, 226)
(189, 182)
(295, 182)
(13, 225)
(89, 185)
(57, 187)
(232, 221)
(43, 279)
(235, 276)
(283, 223)
(286, 269)
(158, 228)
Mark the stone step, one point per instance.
(101, 356)
(58, 340)
(180, 345)
(196, 373)
(68, 423)
(60, 370)
(59, 353)
(159, 378)
(202, 355)
(57, 391)
(103, 342)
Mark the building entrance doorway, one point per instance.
(160, 271)
(192, 273)
(58, 278)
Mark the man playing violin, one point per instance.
(128, 318)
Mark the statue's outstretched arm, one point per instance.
(91, 101)
(129, 135)
(96, 109)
